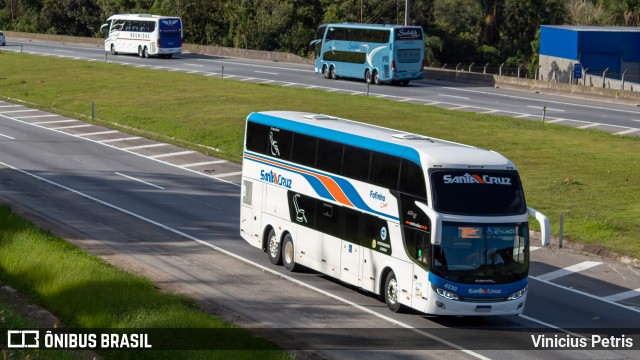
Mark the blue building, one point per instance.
(595, 47)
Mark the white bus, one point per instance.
(425, 223)
(143, 34)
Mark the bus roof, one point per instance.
(369, 26)
(428, 151)
(140, 17)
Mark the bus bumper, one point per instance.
(443, 306)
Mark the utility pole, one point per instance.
(406, 12)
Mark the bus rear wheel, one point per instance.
(391, 292)
(327, 73)
(273, 248)
(332, 70)
(376, 78)
(113, 50)
(288, 253)
(145, 52)
(140, 54)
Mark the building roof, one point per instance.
(596, 28)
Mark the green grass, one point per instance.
(85, 292)
(592, 177)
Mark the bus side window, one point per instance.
(418, 245)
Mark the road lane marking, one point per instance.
(7, 136)
(119, 139)
(139, 180)
(254, 264)
(624, 132)
(54, 121)
(145, 146)
(568, 270)
(556, 121)
(36, 116)
(190, 64)
(178, 153)
(490, 111)
(72, 127)
(455, 96)
(99, 133)
(17, 111)
(265, 72)
(623, 295)
(534, 248)
(9, 106)
(204, 163)
(542, 108)
(524, 116)
(588, 126)
(227, 174)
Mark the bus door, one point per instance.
(251, 211)
(416, 229)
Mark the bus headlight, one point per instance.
(444, 293)
(518, 294)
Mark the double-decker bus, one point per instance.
(424, 223)
(143, 34)
(375, 53)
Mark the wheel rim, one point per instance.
(288, 252)
(273, 246)
(392, 292)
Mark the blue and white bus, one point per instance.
(425, 223)
(143, 34)
(375, 53)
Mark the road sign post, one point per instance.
(577, 71)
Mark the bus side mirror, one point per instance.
(436, 222)
(545, 226)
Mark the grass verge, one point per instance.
(590, 176)
(85, 292)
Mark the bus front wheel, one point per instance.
(391, 292)
(273, 248)
(288, 253)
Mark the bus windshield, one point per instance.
(479, 193)
(481, 253)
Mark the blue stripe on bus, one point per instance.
(479, 291)
(317, 185)
(338, 136)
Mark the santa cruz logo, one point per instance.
(272, 177)
(483, 291)
(476, 179)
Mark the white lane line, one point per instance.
(210, 74)
(7, 136)
(172, 154)
(17, 111)
(9, 106)
(144, 146)
(261, 267)
(265, 72)
(72, 127)
(460, 107)
(36, 116)
(142, 181)
(190, 64)
(267, 81)
(227, 174)
(623, 295)
(490, 111)
(54, 122)
(568, 270)
(624, 132)
(534, 248)
(454, 96)
(542, 108)
(119, 139)
(292, 84)
(433, 103)
(204, 163)
(588, 126)
(99, 133)
(524, 116)
(636, 120)
(404, 100)
(557, 120)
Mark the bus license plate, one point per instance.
(483, 308)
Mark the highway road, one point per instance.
(585, 114)
(150, 208)
(172, 215)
